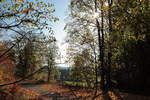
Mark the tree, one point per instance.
(82, 69)
(110, 2)
(26, 20)
(81, 12)
(120, 34)
(130, 22)
(52, 53)
(81, 31)
(24, 17)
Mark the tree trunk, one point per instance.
(101, 45)
(109, 45)
(48, 75)
(102, 48)
(49, 71)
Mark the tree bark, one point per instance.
(109, 45)
(101, 45)
(102, 49)
(48, 75)
(49, 71)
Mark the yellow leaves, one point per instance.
(31, 6)
(105, 8)
(41, 4)
(131, 37)
(31, 3)
(16, 5)
(140, 37)
(71, 49)
(117, 24)
(19, 1)
(2, 0)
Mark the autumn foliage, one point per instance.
(14, 91)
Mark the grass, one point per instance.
(78, 84)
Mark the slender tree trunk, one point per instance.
(25, 65)
(48, 75)
(102, 49)
(49, 71)
(109, 45)
(96, 73)
(101, 45)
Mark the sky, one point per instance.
(61, 7)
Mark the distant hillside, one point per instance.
(64, 73)
(64, 67)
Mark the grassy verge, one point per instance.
(77, 84)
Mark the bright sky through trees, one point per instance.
(61, 7)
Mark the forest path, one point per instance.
(58, 92)
(45, 93)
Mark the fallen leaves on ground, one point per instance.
(87, 94)
(31, 95)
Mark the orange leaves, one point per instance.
(57, 88)
(31, 95)
(19, 1)
(26, 11)
(1, 76)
